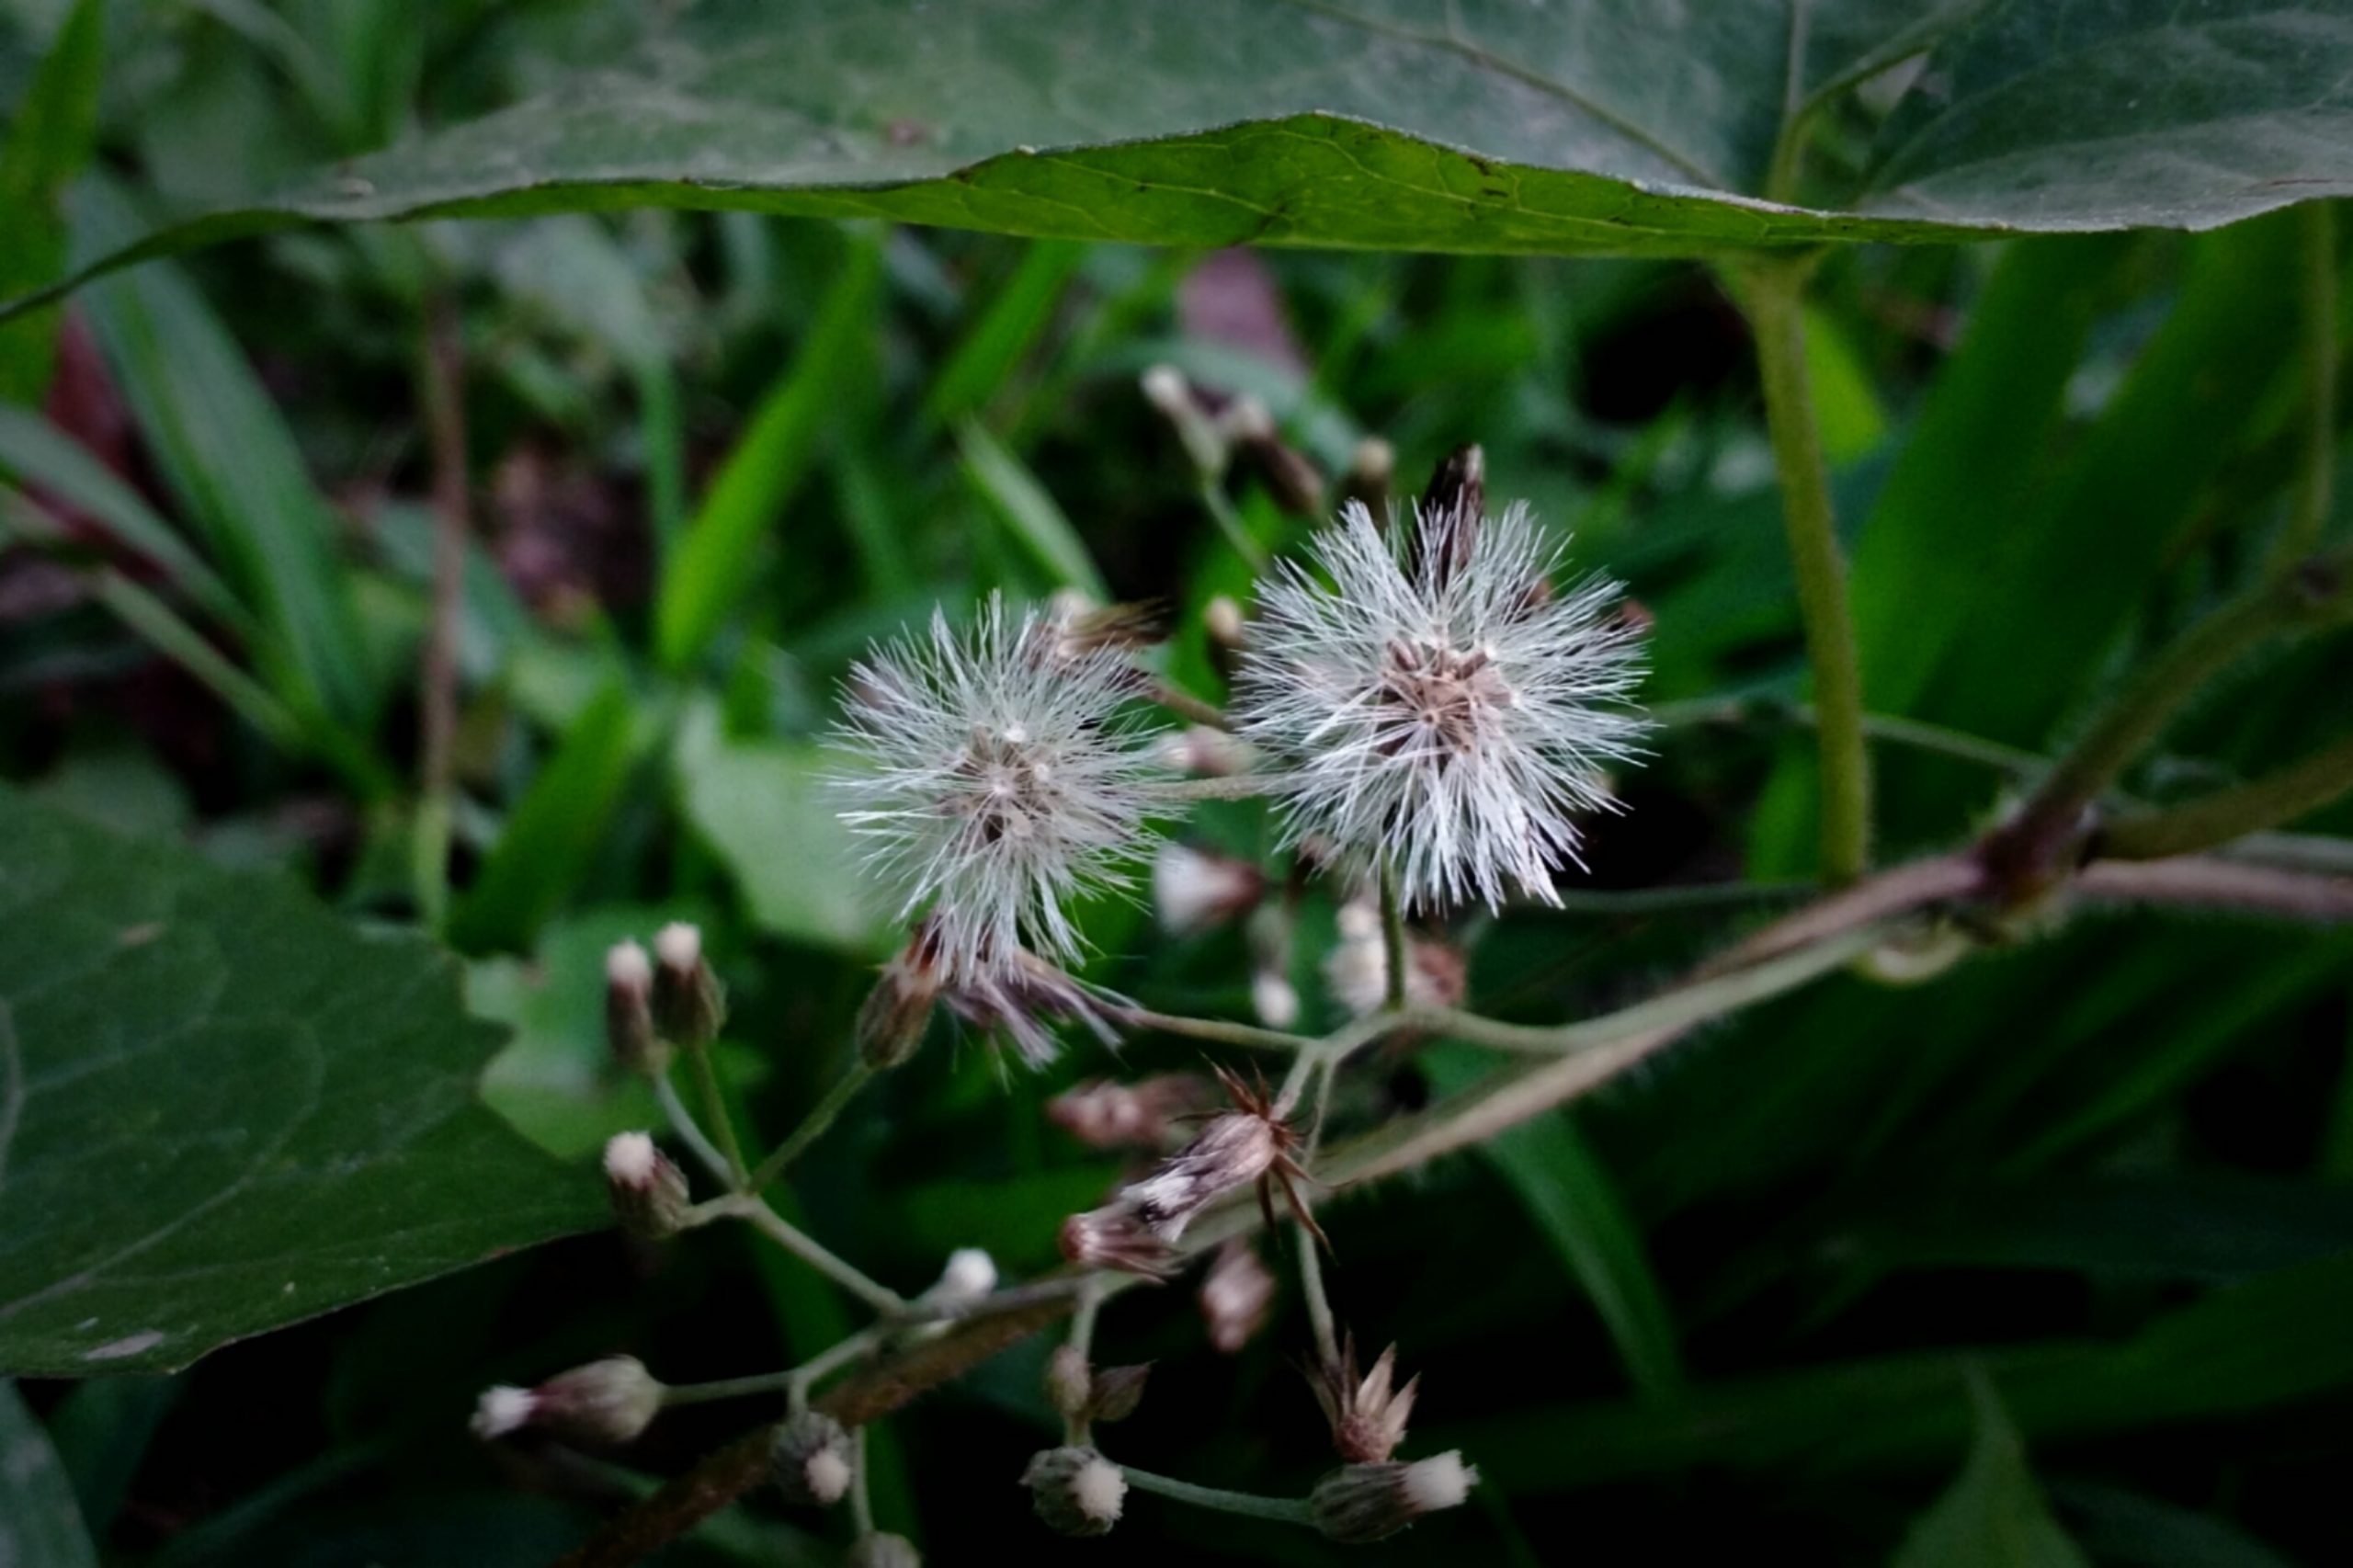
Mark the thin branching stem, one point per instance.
(756, 1213)
(812, 1126)
(1287, 1510)
(2217, 819)
(714, 1107)
(1775, 304)
(689, 1131)
(1231, 787)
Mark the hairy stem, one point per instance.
(756, 1213)
(812, 1126)
(2037, 846)
(1776, 304)
(1287, 1510)
(2276, 798)
(2210, 881)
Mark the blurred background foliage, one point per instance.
(2086, 1199)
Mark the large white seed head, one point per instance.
(1437, 703)
(999, 780)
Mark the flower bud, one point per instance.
(1114, 1237)
(1370, 472)
(1165, 387)
(876, 1550)
(1236, 1296)
(687, 1007)
(1209, 751)
(1274, 998)
(1363, 1503)
(1222, 618)
(604, 1403)
(812, 1458)
(628, 1010)
(1144, 1114)
(649, 1191)
(1075, 1491)
(892, 1021)
(1194, 891)
(970, 1274)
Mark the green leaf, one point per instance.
(224, 451)
(552, 836)
(223, 1110)
(1573, 1202)
(712, 566)
(49, 142)
(39, 1525)
(765, 810)
(1605, 126)
(1993, 1516)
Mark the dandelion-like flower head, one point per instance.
(998, 781)
(1431, 699)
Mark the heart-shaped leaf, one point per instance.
(222, 1108)
(1608, 126)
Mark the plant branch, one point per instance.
(2037, 846)
(755, 1212)
(714, 1107)
(812, 1126)
(682, 1122)
(1231, 787)
(1185, 705)
(2210, 881)
(2217, 819)
(1287, 1510)
(1776, 305)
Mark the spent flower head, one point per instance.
(1431, 698)
(998, 779)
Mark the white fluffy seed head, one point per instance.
(503, 1408)
(631, 1160)
(1442, 1481)
(998, 780)
(627, 967)
(680, 945)
(1439, 703)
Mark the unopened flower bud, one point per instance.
(1370, 472)
(1075, 1491)
(1274, 998)
(1296, 485)
(1116, 1392)
(687, 1007)
(812, 1458)
(1144, 1114)
(605, 1403)
(628, 1010)
(892, 1021)
(1363, 1503)
(1222, 618)
(1236, 1296)
(1357, 970)
(1165, 387)
(1194, 890)
(1209, 751)
(970, 1274)
(877, 1550)
(649, 1191)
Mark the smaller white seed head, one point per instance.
(503, 1408)
(627, 967)
(680, 945)
(631, 1160)
(1274, 999)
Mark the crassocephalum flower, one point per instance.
(998, 780)
(1432, 700)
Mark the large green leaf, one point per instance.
(223, 1109)
(39, 1525)
(1612, 126)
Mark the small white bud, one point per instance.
(649, 1191)
(1194, 891)
(1075, 1491)
(1164, 388)
(627, 966)
(629, 1009)
(687, 1005)
(604, 1403)
(503, 1408)
(1222, 618)
(1274, 999)
(970, 1275)
(680, 945)
(812, 1459)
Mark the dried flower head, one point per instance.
(1144, 1115)
(1076, 1490)
(1022, 999)
(1368, 1416)
(997, 780)
(1430, 700)
(1361, 1503)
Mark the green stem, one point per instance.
(1311, 1261)
(861, 1501)
(690, 1133)
(1185, 705)
(2035, 845)
(1232, 787)
(730, 1388)
(812, 1126)
(714, 1107)
(1219, 1031)
(809, 1250)
(2252, 807)
(1776, 301)
(1229, 523)
(1394, 953)
(1287, 1510)
(2315, 492)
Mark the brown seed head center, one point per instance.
(1446, 693)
